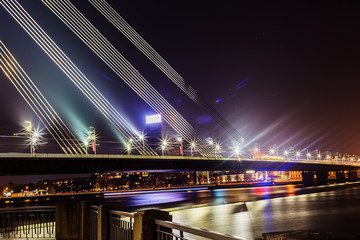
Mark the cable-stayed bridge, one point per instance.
(92, 37)
(74, 148)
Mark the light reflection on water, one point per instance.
(332, 211)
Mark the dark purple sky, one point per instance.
(300, 61)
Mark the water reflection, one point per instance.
(332, 211)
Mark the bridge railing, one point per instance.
(167, 230)
(34, 222)
(121, 225)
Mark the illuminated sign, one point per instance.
(153, 119)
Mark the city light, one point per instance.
(164, 145)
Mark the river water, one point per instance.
(246, 212)
(326, 211)
(249, 212)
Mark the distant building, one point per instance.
(158, 130)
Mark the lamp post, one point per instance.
(179, 139)
(142, 139)
(28, 129)
(217, 149)
(164, 144)
(286, 153)
(86, 144)
(211, 143)
(237, 152)
(192, 147)
(128, 148)
(92, 137)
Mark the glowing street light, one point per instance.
(192, 147)
(128, 148)
(308, 156)
(91, 138)
(142, 140)
(256, 150)
(297, 155)
(217, 149)
(86, 145)
(28, 129)
(237, 152)
(272, 151)
(164, 145)
(286, 153)
(179, 140)
(211, 141)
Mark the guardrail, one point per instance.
(121, 225)
(346, 162)
(33, 222)
(169, 230)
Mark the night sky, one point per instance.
(298, 62)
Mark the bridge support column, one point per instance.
(322, 177)
(308, 178)
(197, 182)
(85, 221)
(353, 176)
(144, 223)
(68, 220)
(208, 177)
(340, 177)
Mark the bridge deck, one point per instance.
(23, 164)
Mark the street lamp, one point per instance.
(179, 140)
(272, 151)
(211, 143)
(164, 144)
(128, 148)
(297, 155)
(217, 148)
(142, 139)
(28, 129)
(86, 145)
(192, 147)
(237, 152)
(286, 153)
(91, 138)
